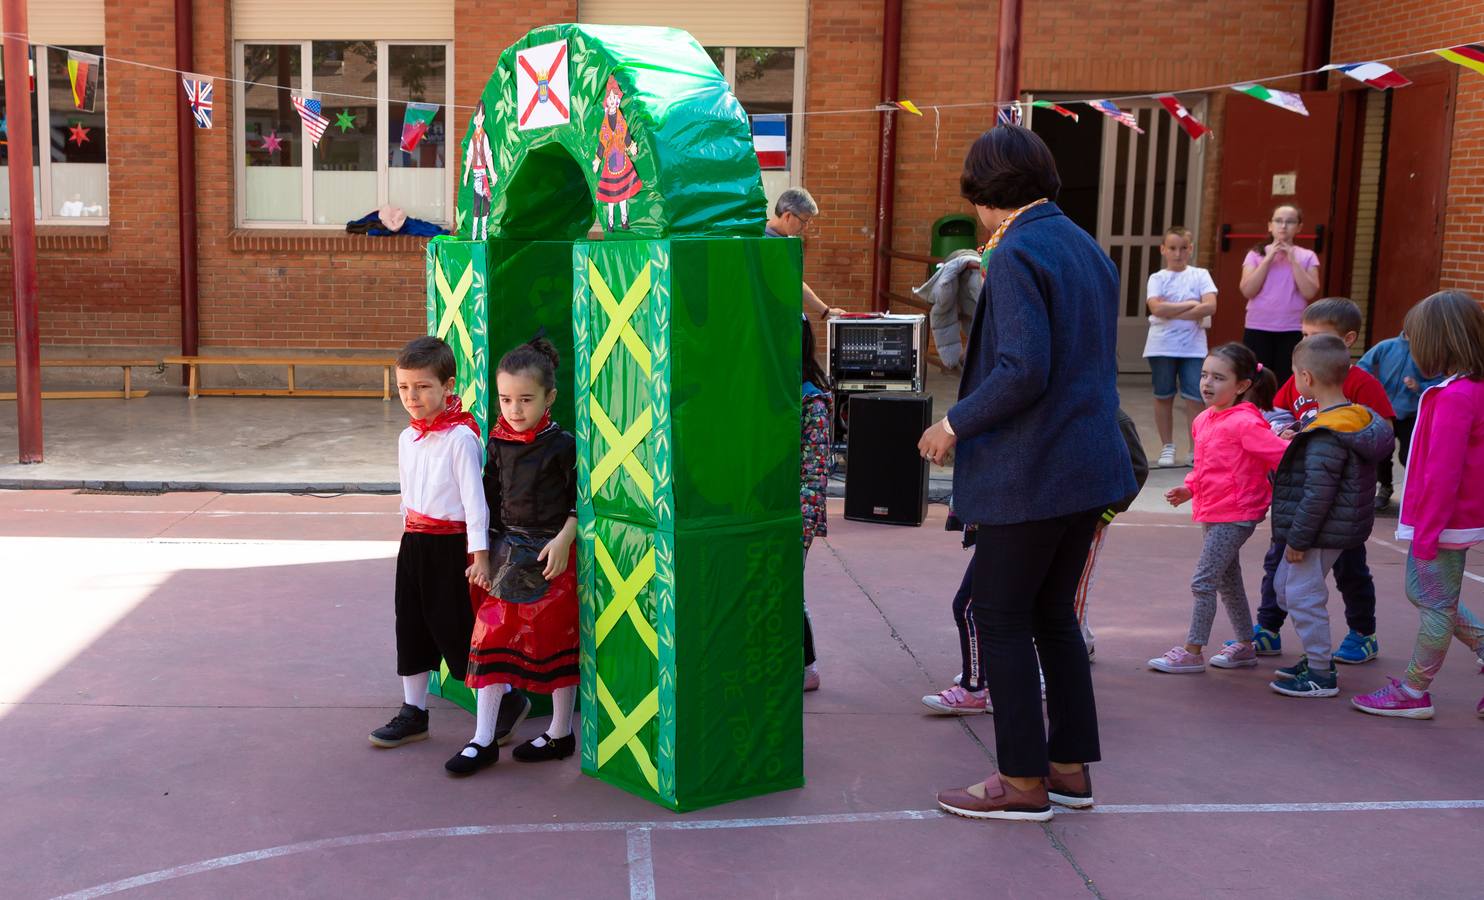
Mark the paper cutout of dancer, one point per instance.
(479, 162)
(619, 180)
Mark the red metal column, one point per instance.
(1007, 61)
(886, 165)
(1318, 28)
(185, 151)
(22, 232)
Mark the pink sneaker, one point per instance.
(1480, 708)
(1393, 701)
(956, 701)
(1236, 655)
(1179, 662)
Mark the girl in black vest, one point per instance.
(525, 628)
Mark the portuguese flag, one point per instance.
(415, 123)
(1060, 110)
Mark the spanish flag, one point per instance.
(82, 71)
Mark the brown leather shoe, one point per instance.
(994, 798)
(1072, 790)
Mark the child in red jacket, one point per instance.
(1234, 452)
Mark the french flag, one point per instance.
(770, 140)
(1377, 75)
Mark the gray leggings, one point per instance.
(1220, 571)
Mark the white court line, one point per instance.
(209, 513)
(641, 864)
(640, 851)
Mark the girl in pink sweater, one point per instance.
(1443, 506)
(1234, 452)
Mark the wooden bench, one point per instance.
(128, 393)
(193, 365)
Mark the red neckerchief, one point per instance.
(504, 432)
(452, 416)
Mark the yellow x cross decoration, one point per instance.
(453, 300)
(625, 599)
(621, 449)
(625, 731)
(619, 314)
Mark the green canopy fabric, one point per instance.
(679, 143)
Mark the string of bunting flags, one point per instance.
(83, 69)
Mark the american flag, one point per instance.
(198, 95)
(1123, 116)
(314, 123)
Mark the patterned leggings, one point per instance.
(1433, 586)
(1219, 571)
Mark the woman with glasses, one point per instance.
(1279, 279)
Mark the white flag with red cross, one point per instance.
(543, 92)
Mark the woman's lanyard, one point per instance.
(994, 239)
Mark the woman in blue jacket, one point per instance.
(1039, 457)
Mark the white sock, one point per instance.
(562, 702)
(415, 690)
(1412, 692)
(486, 706)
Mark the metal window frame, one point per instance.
(383, 102)
(42, 128)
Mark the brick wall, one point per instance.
(1369, 29)
(287, 290)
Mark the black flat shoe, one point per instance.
(467, 765)
(554, 748)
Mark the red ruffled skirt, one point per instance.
(531, 646)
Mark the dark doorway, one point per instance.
(1078, 149)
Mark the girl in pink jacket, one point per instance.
(1234, 452)
(1443, 506)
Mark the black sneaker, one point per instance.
(554, 748)
(410, 724)
(1383, 497)
(483, 757)
(514, 707)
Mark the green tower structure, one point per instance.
(681, 326)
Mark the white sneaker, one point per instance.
(1166, 457)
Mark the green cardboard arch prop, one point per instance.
(679, 334)
(542, 157)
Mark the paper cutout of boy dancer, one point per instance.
(619, 180)
(481, 163)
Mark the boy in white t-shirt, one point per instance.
(1181, 298)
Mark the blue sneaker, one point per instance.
(1308, 682)
(1356, 648)
(1266, 643)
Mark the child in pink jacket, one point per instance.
(1443, 505)
(1234, 452)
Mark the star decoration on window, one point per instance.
(272, 142)
(345, 121)
(79, 134)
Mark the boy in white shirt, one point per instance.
(1181, 299)
(445, 539)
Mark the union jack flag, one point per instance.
(314, 122)
(198, 94)
(1123, 116)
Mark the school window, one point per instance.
(768, 81)
(69, 179)
(362, 162)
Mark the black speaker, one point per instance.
(886, 479)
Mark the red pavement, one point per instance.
(186, 681)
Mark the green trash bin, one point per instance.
(950, 233)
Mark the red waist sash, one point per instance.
(418, 523)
